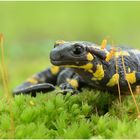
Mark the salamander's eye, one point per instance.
(78, 49)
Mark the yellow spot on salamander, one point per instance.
(89, 57)
(90, 71)
(55, 69)
(32, 80)
(73, 83)
(114, 80)
(130, 77)
(99, 73)
(60, 42)
(121, 53)
(86, 67)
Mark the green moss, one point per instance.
(89, 114)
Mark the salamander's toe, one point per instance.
(65, 88)
(64, 92)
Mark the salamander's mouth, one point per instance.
(68, 62)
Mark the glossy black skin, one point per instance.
(74, 53)
(63, 54)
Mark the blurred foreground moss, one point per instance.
(89, 114)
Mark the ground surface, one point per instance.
(90, 114)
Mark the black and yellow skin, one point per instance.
(79, 63)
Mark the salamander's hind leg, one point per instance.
(43, 81)
(69, 81)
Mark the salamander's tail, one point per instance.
(33, 89)
(43, 81)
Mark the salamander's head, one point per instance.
(76, 53)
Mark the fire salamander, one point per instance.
(79, 63)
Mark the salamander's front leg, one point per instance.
(69, 81)
(41, 82)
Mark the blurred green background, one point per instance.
(30, 29)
